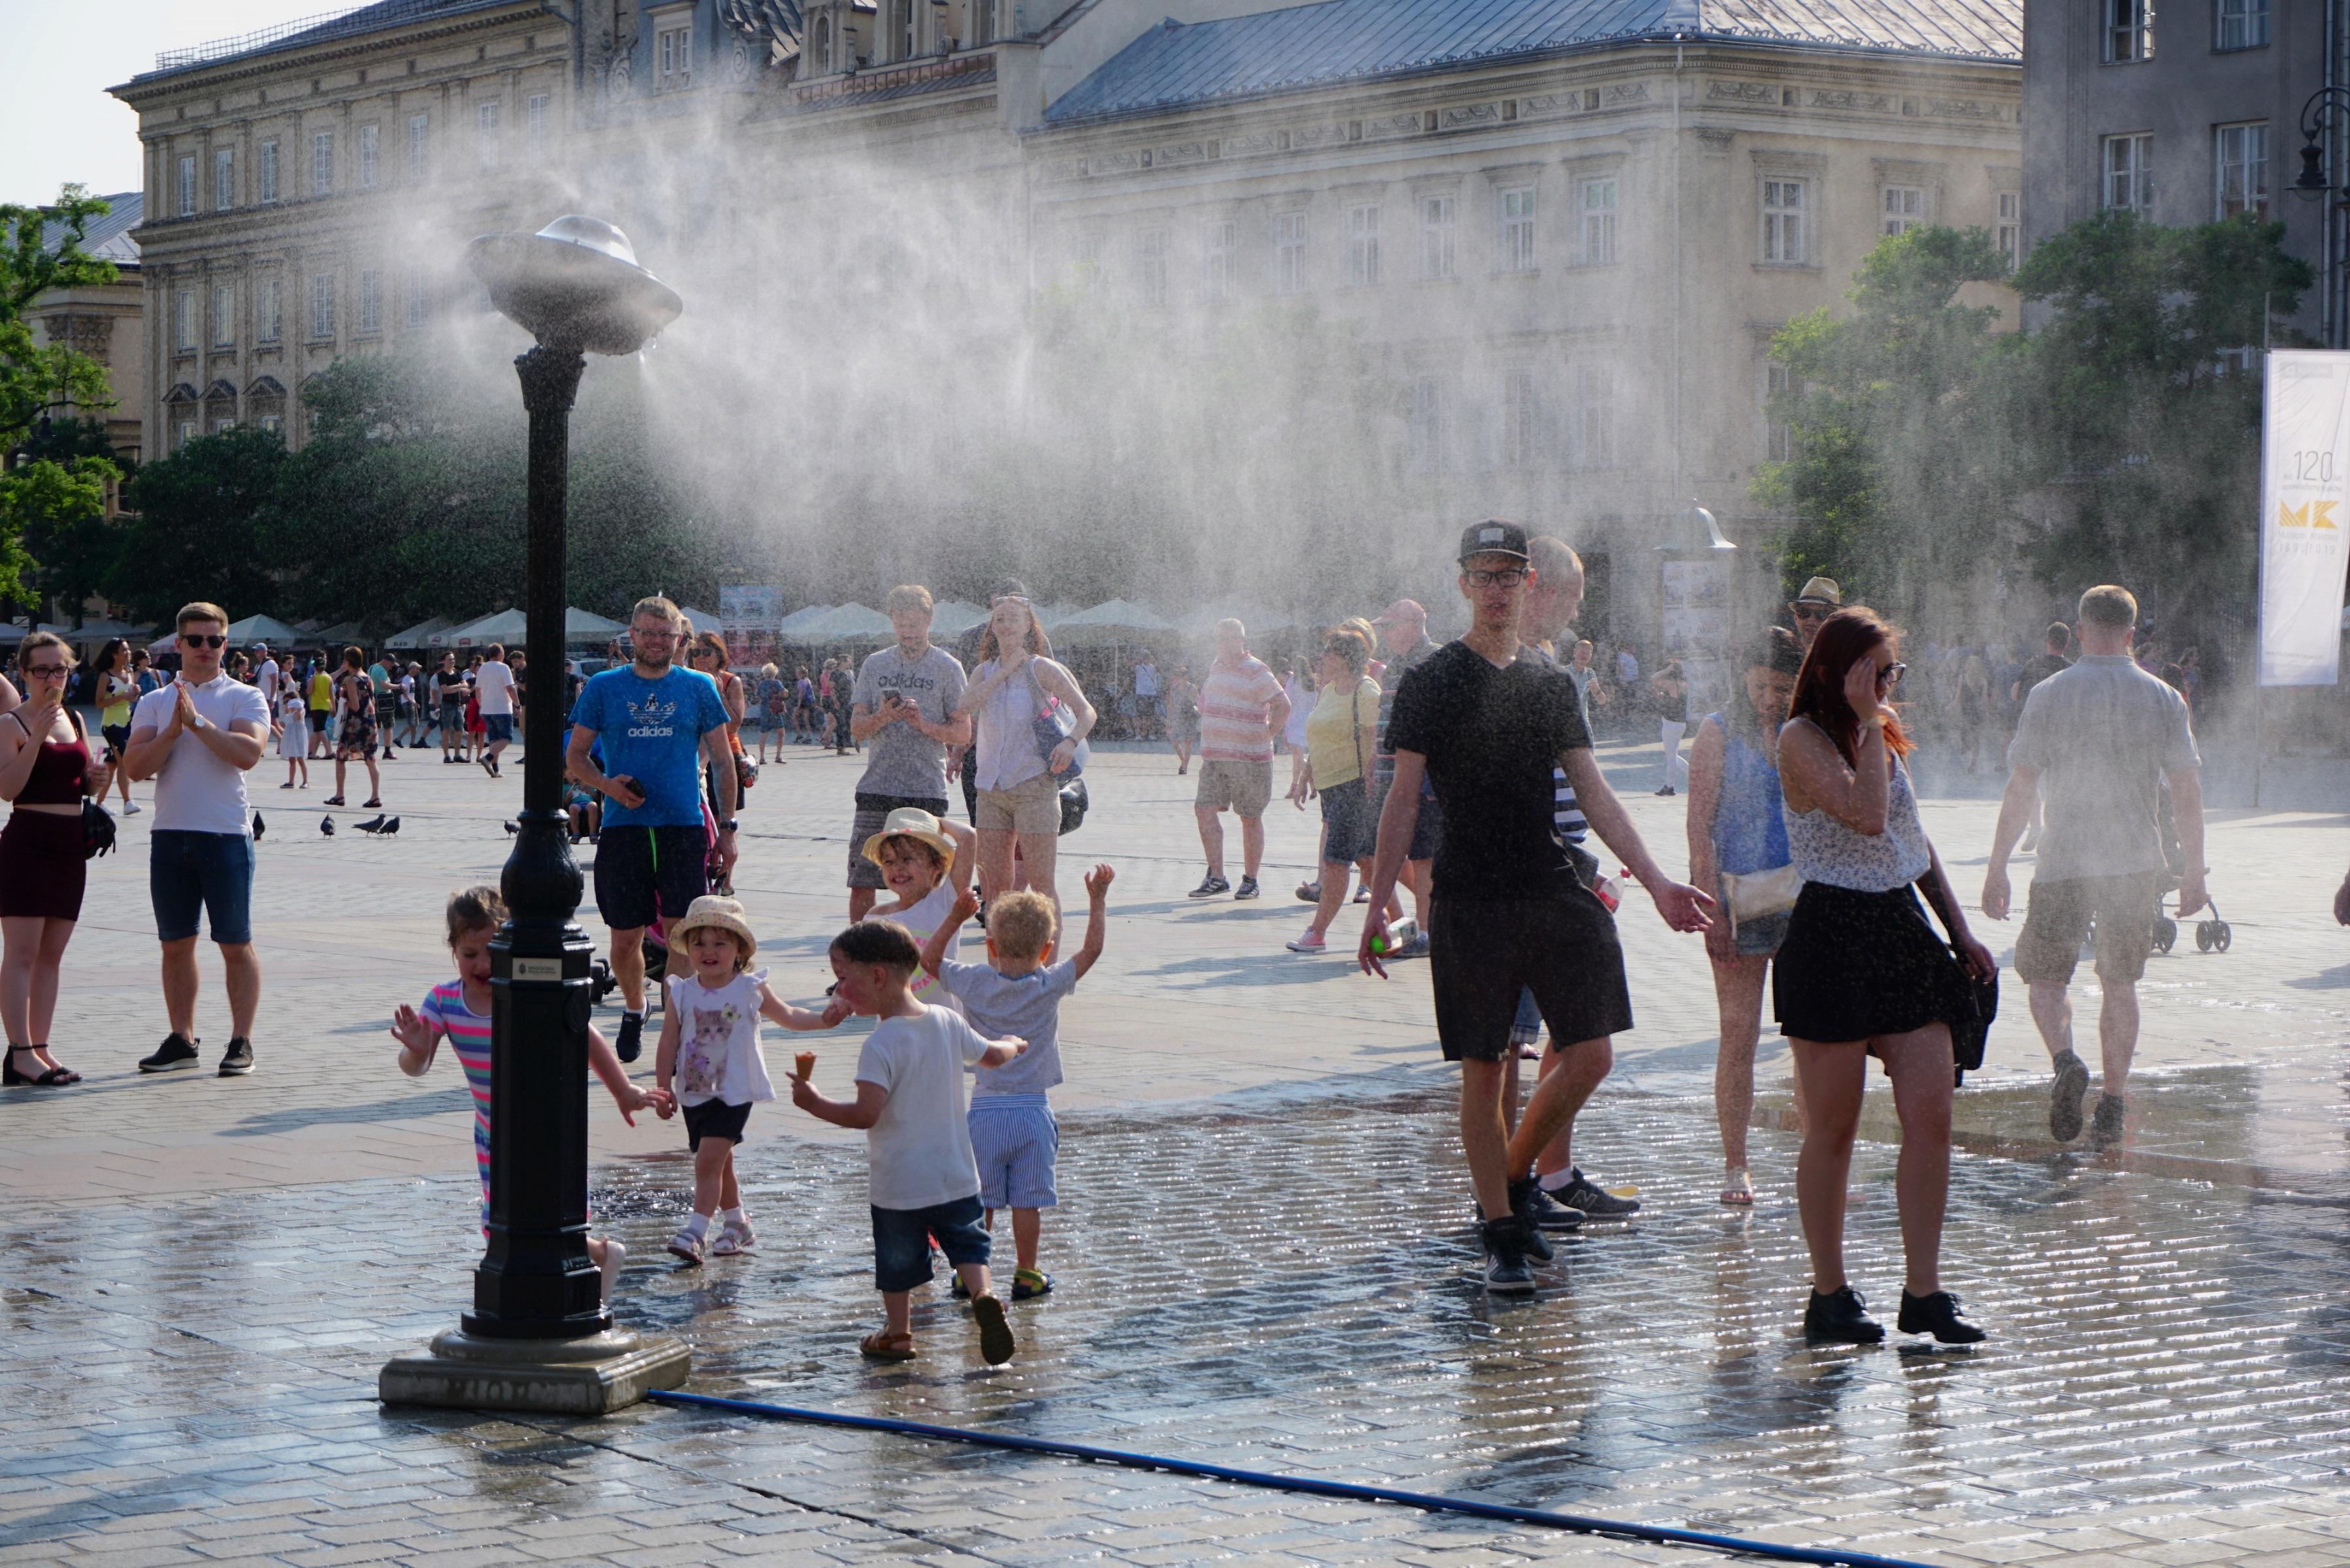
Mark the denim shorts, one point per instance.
(1017, 1140)
(901, 1241)
(498, 726)
(212, 873)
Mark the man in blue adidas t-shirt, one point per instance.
(656, 721)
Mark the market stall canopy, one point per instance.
(100, 630)
(1051, 616)
(347, 632)
(1259, 620)
(1119, 620)
(794, 626)
(702, 620)
(955, 618)
(420, 635)
(848, 623)
(13, 633)
(587, 625)
(505, 625)
(266, 628)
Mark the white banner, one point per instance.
(2304, 515)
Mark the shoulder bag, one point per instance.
(1755, 894)
(97, 821)
(1051, 725)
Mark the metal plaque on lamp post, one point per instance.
(538, 1338)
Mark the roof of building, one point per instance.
(1174, 65)
(324, 27)
(108, 234)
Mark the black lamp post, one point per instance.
(538, 1338)
(2318, 116)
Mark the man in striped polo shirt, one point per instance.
(1242, 708)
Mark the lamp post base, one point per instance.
(590, 1377)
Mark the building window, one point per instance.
(267, 323)
(2128, 171)
(906, 35)
(419, 143)
(1150, 267)
(673, 57)
(2130, 30)
(367, 156)
(419, 299)
(1362, 247)
(223, 179)
(2243, 23)
(1521, 415)
(266, 185)
(1217, 281)
(1900, 208)
(1518, 229)
(2009, 235)
(1426, 427)
(271, 422)
(982, 21)
(187, 202)
(1596, 201)
(187, 434)
(2242, 159)
(224, 315)
(370, 302)
(1595, 398)
(1436, 248)
(322, 304)
(534, 115)
(183, 321)
(322, 164)
(1783, 238)
(1288, 253)
(485, 132)
(1780, 388)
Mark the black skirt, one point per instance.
(1858, 965)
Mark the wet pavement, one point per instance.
(1263, 1258)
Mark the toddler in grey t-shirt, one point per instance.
(1018, 992)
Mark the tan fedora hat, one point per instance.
(1821, 591)
(912, 822)
(725, 914)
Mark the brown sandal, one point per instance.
(883, 1345)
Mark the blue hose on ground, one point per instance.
(1434, 1503)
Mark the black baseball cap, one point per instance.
(1495, 537)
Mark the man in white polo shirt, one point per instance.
(197, 738)
(494, 684)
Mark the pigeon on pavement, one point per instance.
(326, 825)
(373, 825)
(391, 827)
(259, 828)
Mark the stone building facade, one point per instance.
(106, 321)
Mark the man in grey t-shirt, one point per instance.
(2097, 743)
(905, 716)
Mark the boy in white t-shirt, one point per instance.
(922, 1179)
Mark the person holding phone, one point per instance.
(45, 770)
(1859, 972)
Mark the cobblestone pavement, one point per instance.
(1263, 1258)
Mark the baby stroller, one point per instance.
(2213, 933)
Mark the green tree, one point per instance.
(32, 378)
(56, 504)
(198, 533)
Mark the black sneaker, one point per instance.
(2106, 1127)
(177, 1052)
(2065, 1092)
(1841, 1318)
(238, 1060)
(1938, 1315)
(1522, 1204)
(1247, 889)
(1507, 1273)
(631, 1042)
(1211, 884)
(1548, 1213)
(1594, 1200)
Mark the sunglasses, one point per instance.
(202, 639)
(1809, 612)
(1891, 674)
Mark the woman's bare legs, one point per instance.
(1038, 852)
(1834, 1077)
(1919, 1063)
(1738, 1002)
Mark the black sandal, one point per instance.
(54, 1078)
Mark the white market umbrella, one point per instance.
(265, 628)
(420, 635)
(585, 625)
(701, 620)
(850, 623)
(955, 618)
(1119, 620)
(794, 628)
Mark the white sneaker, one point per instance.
(614, 1256)
(733, 1239)
(129, 809)
(687, 1245)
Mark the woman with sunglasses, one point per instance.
(1860, 973)
(46, 770)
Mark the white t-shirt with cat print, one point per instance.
(718, 1039)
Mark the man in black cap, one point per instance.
(1516, 909)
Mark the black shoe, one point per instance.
(1841, 1318)
(176, 1051)
(238, 1060)
(1594, 1200)
(1522, 1204)
(1936, 1314)
(1548, 1213)
(1211, 886)
(2067, 1090)
(631, 1042)
(1247, 889)
(2106, 1127)
(1507, 1273)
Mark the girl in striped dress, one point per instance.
(459, 1011)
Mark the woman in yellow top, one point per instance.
(117, 689)
(1341, 734)
(322, 706)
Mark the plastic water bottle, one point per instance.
(1401, 932)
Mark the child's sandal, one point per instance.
(883, 1345)
(995, 1343)
(1027, 1284)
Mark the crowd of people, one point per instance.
(1461, 774)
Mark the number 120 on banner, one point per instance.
(2304, 515)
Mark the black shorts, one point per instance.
(715, 1118)
(1424, 832)
(647, 875)
(1564, 949)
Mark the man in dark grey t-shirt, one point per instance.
(905, 716)
(2097, 743)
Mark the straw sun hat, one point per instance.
(725, 914)
(912, 822)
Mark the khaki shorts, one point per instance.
(2122, 908)
(1032, 805)
(1243, 787)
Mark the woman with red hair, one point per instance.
(1860, 972)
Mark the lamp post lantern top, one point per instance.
(574, 284)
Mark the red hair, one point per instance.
(1845, 638)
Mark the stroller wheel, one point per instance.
(2204, 935)
(2166, 932)
(2221, 935)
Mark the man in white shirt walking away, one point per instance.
(493, 687)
